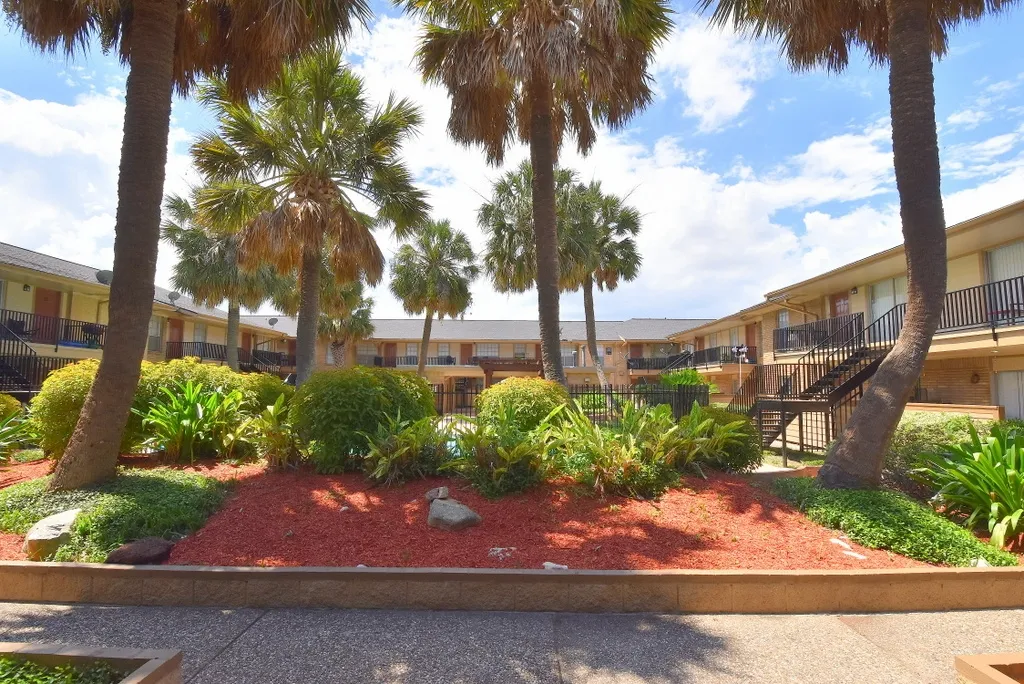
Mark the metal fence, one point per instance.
(601, 405)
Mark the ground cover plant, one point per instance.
(881, 519)
(21, 671)
(920, 433)
(138, 503)
(980, 482)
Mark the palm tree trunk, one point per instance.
(421, 367)
(91, 455)
(545, 228)
(588, 312)
(309, 313)
(857, 458)
(231, 342)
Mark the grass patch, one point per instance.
(18, 671)
(136, 504)
(881, 519)
(28, 456)
(795, 458)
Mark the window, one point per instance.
(607, 351)
(519, 351)
(488, 349)
(1006, 262)
(712, 340)
(156, 334)
(887, 294)
(199, 332)
(366, 349)
(734, 337)
(412, 349)
(3, 294)
(443, 350)
(782, 318)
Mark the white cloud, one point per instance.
(715, 69)
(968, 118)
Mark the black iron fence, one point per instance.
(601, 405)
(249, 360)
(65, 332)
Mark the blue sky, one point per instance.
(748, 176)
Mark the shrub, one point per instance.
(262, 390)
(273, 435)
(920, 433)
(742, 453)
(528, 400)
(9, 406)
(190, 421)
(687, 376)
(22, 671)
(55, 409)
(882, 519)
(496, 456)
(402, 449)
(14, 430)
(980, 481)
(135, 504)
(333, 409)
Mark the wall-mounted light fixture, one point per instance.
(975, 378)
(853, 290)
(26, 287)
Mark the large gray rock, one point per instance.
(49, 534)
(145, 551)
(449, 514)
(437, 493)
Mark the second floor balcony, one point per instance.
(255, 359)
(50, 330)
(718, 356)
(568, 360)
(644, 363)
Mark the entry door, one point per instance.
(840, 304)
(465, 353)
(175, 330)
(47, 304)
(247, 341)
(750, 335)
(1010, 391)
(636, 351)
(291, 348)
(390, 350)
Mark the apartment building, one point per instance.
(473, 354)
(838, 325)
(54, 312)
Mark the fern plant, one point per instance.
(14, 431)
(192, 421)
(401, 449)
(273, 434)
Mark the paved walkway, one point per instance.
(400, 647)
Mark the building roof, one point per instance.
(13, 255)
(649, 329)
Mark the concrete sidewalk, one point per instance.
(405, 647)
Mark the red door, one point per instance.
(390, 351)
(840, 304)
(175, 330)
(47, 310)
(246, 341)
(700, 343)
(536, 352)
(291, 348)
(636, 351)
(465, 354)
(750, 335)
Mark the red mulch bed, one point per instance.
(289, 519)
(13, 473)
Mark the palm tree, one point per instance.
(207, 269)
(432, 274)
(610, 228)
(906, 34)
(167, 45)
(310, 152)
(540, 72)
(342, 329)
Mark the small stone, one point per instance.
(361, 566)
(49, 534)
(344, 508)
(146, 551)
(548, 565)
(979, 563)
(437, 493)
(501, 552)
(449, 514)
(854, 554)
(839, 542)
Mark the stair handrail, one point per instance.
(9, 338)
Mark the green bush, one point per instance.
(22, 671)
(980, 482)
(262, 390)
(529, 400)
(9, 406)
(881, 519)
(333, 409)
(273, 435)
(496, 456)
(135, 504)
(55, 409)
(687, 376)
(401, 450)
(742, 454)
(920, 433)
(14, 431)
(192, 421)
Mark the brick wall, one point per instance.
(950, 381)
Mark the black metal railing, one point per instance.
(601, 405)
(440, 360)
(366, 359)
(808, 335)
(991, 305)
(249, 360)
(59, 332)
(648, 363)
(716, 356)
(22, 370)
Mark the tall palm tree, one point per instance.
(308, 152)
(167, 45)
(341, 329)
(540, 71)
(608, 228)
(207, 269)
(905, 34)
(432, 275)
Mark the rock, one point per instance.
(344, 508)
(449, 514)
(49, 534)
(548, 565)
(501, 552)
(854, 554)
(145, 551)
(979, 563)
(437, 493)
(839, 542)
